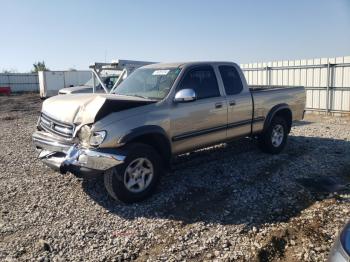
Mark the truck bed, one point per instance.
(266, 97)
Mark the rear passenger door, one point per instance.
(203, 121)
(239, 102)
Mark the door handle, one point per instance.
(218, 105)
(232, 103)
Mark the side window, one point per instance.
(202, 80)
(231, 79)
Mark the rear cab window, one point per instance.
(202, 80)
(231, 80)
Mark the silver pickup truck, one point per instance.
(159, 111)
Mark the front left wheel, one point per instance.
(137, 177)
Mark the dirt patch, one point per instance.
(8, 118)
(274, 250)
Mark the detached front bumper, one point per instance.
(64, 156)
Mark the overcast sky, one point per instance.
(73, 34)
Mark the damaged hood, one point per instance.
(88, 108)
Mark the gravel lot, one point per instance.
(228, 202)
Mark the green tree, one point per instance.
(39, 66)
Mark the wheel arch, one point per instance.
(151, 135)
(281, 110)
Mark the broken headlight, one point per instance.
(87, 137)
(97, 138)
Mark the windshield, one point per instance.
(148, 83)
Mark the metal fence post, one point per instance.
(327, 92)
(268, 76)
(8, 80)
(93, 83)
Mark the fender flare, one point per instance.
(138, 132)
(273, 111)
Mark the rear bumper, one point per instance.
(65, 156)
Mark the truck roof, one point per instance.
(181, 64)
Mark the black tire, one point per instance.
(265, 139)
(114, 178)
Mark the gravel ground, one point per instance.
(226, 203)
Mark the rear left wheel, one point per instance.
(274, 139)
(137, 177)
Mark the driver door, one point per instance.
(203, 121)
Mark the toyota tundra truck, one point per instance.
(160, 111)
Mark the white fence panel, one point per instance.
(29, 82)
(326, 80)
(74, 78)
(20, 82)
(52, 81)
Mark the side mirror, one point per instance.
(185, 95)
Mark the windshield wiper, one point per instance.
(140, 96)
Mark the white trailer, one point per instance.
(52, 81)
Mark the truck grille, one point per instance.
(57, 127)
